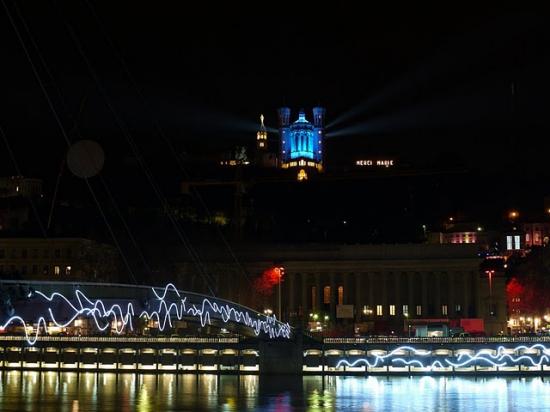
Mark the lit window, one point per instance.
(509, 243)
(418, 310)
(392, 310)
(405, 310)
(458, 308)
(444, 310)
(517, 245)
(68, 270)
(56, 270)
(340, 295)
(326, 294)
(379, 311)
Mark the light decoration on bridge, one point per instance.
(120, 318)
(463, 360)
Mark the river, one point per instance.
(67, 391)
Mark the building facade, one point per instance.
(301, 141)
(377, 288)
(57, 259)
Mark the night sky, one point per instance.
(458, 88)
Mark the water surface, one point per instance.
(68, 391)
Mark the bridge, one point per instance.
(100, 308)
(109, 327)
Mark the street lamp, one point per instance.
(280, 272)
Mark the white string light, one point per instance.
(122, 319)
(500, 359)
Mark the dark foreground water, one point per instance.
(50, 391)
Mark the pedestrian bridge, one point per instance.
(36, 308)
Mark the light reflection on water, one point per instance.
(68, 391)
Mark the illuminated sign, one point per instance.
(121, 317)
(375, 163)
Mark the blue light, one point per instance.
(301, 139)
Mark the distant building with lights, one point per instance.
(374, 288)
(536, 234)
(57, 259)
(301, 142)
(20, 186)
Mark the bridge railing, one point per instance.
(400, 340)
(125, 339)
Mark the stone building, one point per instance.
(380, 288)
(60, 259)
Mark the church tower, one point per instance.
(261, 136)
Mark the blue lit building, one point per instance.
(301, 141)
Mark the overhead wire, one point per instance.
(207, 277)
(18, 172)
(64, 133)
(76, 128)
(160, 132)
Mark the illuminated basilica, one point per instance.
(301, 142)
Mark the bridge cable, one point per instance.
(18, 172)
(127, 135)
(64, 133)
(160, 132)
(76, 128)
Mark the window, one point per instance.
(314, 297)
(405, 310)
(509, 243)
(46, 253)
(444, 310)
(45, 269)
(68, 270)
(2, 253)
(57, 253)
(326, 294)
(34, 253)
(418, 310)
(23, 253)
(458, 308)
(340, 295)
(34, 269)
(392, 310)
(379, 311)
(68, 252)
(56, 270)
(517, 244)
(367, 310)
(1, 268)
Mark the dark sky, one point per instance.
(432, 82)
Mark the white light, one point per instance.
(122, 319)
(499, 359)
